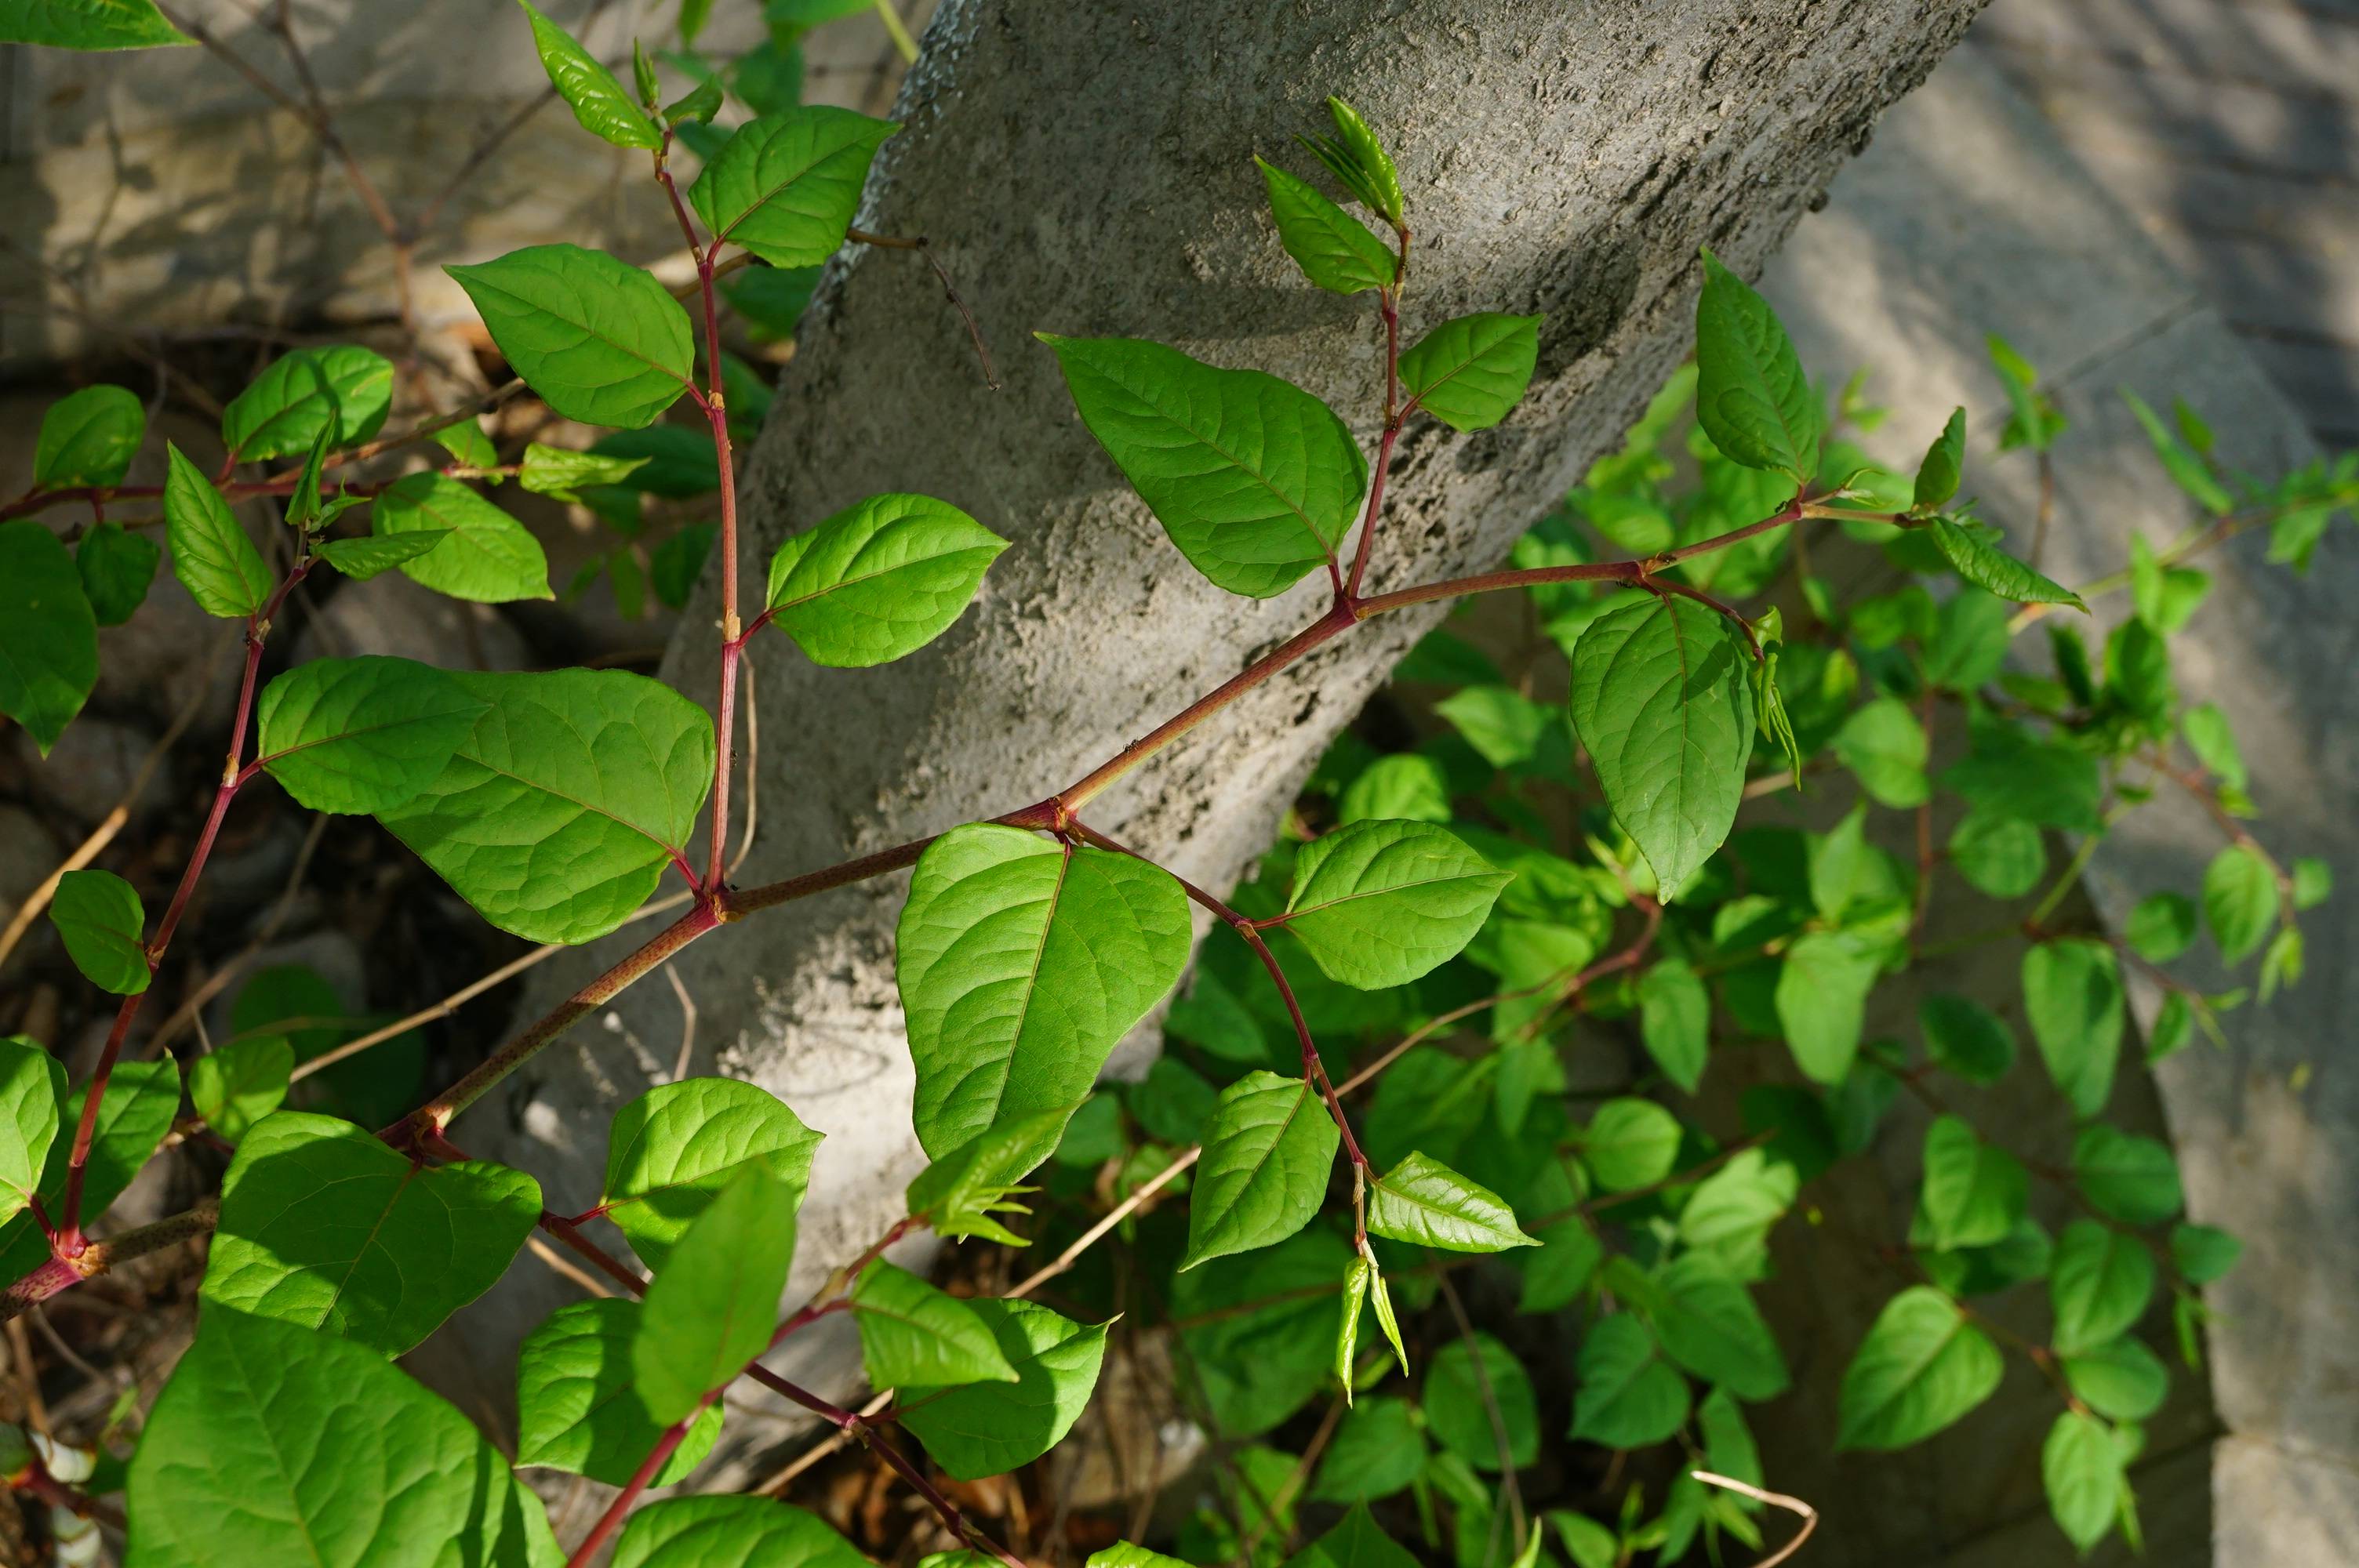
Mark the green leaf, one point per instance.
(1675, 1020)
(1124, 1554)
(1936, 476)
(1822, 999)
(1469, 373)
(960, 1194)
(1660, 700)
(1380, 1297)
(2186, 469)
(672, 1150)
(48, 637)
(1921, 1367)
(1973, 557)
(134, 1115)
(241, 1083)
(1255, 480)
(1731, 1211)
(1964, 1037)
(2124, 1379)
(99, 917)
(1357, 1275)
(2133, 1179)
(2161, 927)
(1707, 1323)
(1426, 1203)
(1260, 1328)
(89, 24)
(2240, 901)
(2204, 1252)
(1406, 787)
(1884, 745)
(1751, 398)
(363, 735)
(911, 1332)
(600, 341)
(1630, 1144)
(364, 558)
(273, 1445)
(1379, 1450)
(731, 1532)
(598, 101)
(32, 1083)
(786, 185)
(89, 438)
(600, 773)
(577, 1409)
(701, 102)
(1975, 1192)
(878, 579)
(1334, 249)
(322, 1225)
(477, 551)
(561, 472)
(1628, 1396)
(712, 1307)
(2073, 997)
(987, 1429)
(2081, 1466)
(465, 442)
(1021, 964)
(211, 553)
(2098, 1284)
(1463, 1385)
(115, 567)
(1264, 1166)
(1354, 155)
(2003, 856)
(1380, 903)
(346, 389)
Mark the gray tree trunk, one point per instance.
(1085, 168)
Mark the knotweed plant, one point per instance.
(1430, 932)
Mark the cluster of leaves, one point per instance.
(552, 803)
(1661, 917)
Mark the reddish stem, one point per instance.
(612, 1519)
(70, 1241)
(1394, 416)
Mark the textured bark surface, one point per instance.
(1086, 169)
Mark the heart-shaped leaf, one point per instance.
(911, 1332)
(785, 186)
(365, 734)
(878, 579)
(324, 1226)
(1022, 963)
(345, 389)
(1921, 1367)
(556, 815)
(1470, 372)
(1254, 480)
(673, 1149)
(1380, 903)
(474, 550)
(89, 438)
(601, 342)
(715, 1305)
(987, 1429)
(577, 1408)
(274, 1444)
(1264, 1171)
(1660, 701)
(99, 916)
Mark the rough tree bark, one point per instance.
(1086, 169)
